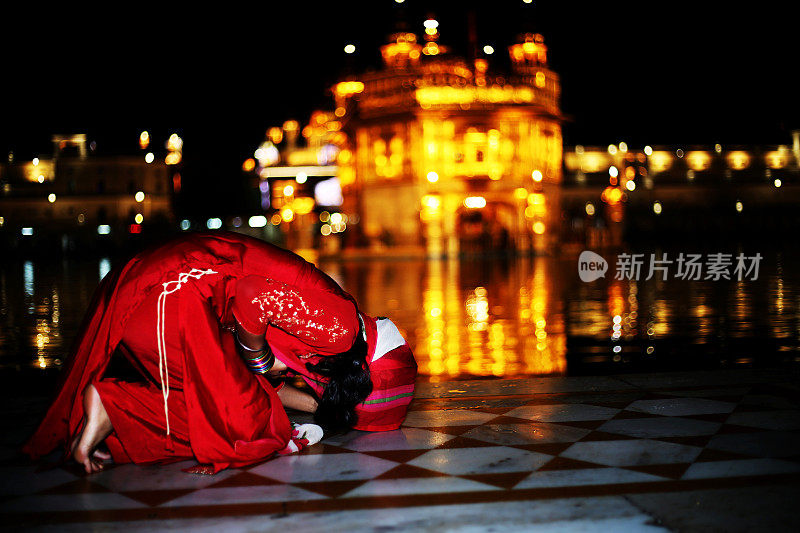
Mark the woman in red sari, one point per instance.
(202, 318)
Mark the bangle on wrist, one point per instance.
(259, 361)
(263, 363)
(243, 347)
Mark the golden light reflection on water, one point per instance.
(32, 313)
(485, 318)
(461, 318)
(492, 318)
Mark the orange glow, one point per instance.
(249, 165)
(275, 135)
(39, 170)
(497, 142)
(738, 160)
(630, 173)
(402, 51)
(431, 207)
(347, 176)
(303, 205)
(475, 202)
(319, 117)
(430, 49)
(348, 88)
(344, 157)
(660, 161)
(616, 299)
(447, 95)
(594, 161)
(777, 159)
(536, 198)
(532, 50)
(698, 160)
(174, 143)
(173, 158)
(611, 195)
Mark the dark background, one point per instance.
(641, 72)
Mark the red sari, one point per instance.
(169, 310)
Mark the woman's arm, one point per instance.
(297, 399)
(256, 352)
(325, 321)
(250, 341)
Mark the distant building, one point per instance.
(75, 197)
(448, 155)
(610, 192)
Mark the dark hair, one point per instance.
(349, 384)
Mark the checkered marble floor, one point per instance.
(465, 446)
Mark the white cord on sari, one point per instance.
(169, 288)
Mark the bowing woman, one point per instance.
(207, 320)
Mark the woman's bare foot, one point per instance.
(97, 426)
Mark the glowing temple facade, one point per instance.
(450, 156)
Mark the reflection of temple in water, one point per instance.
(450, 155)
(476, 318)
(482, 317)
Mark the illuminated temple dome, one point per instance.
(450, 154)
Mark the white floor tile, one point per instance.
(631, 452)
(585, 515)
(584, 476)
(255, 494)
(491, 459)
(436, 485)
(130, 477)
(532, 433)
(323, 467)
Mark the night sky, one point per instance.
(640, 72)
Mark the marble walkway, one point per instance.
(700, 451)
